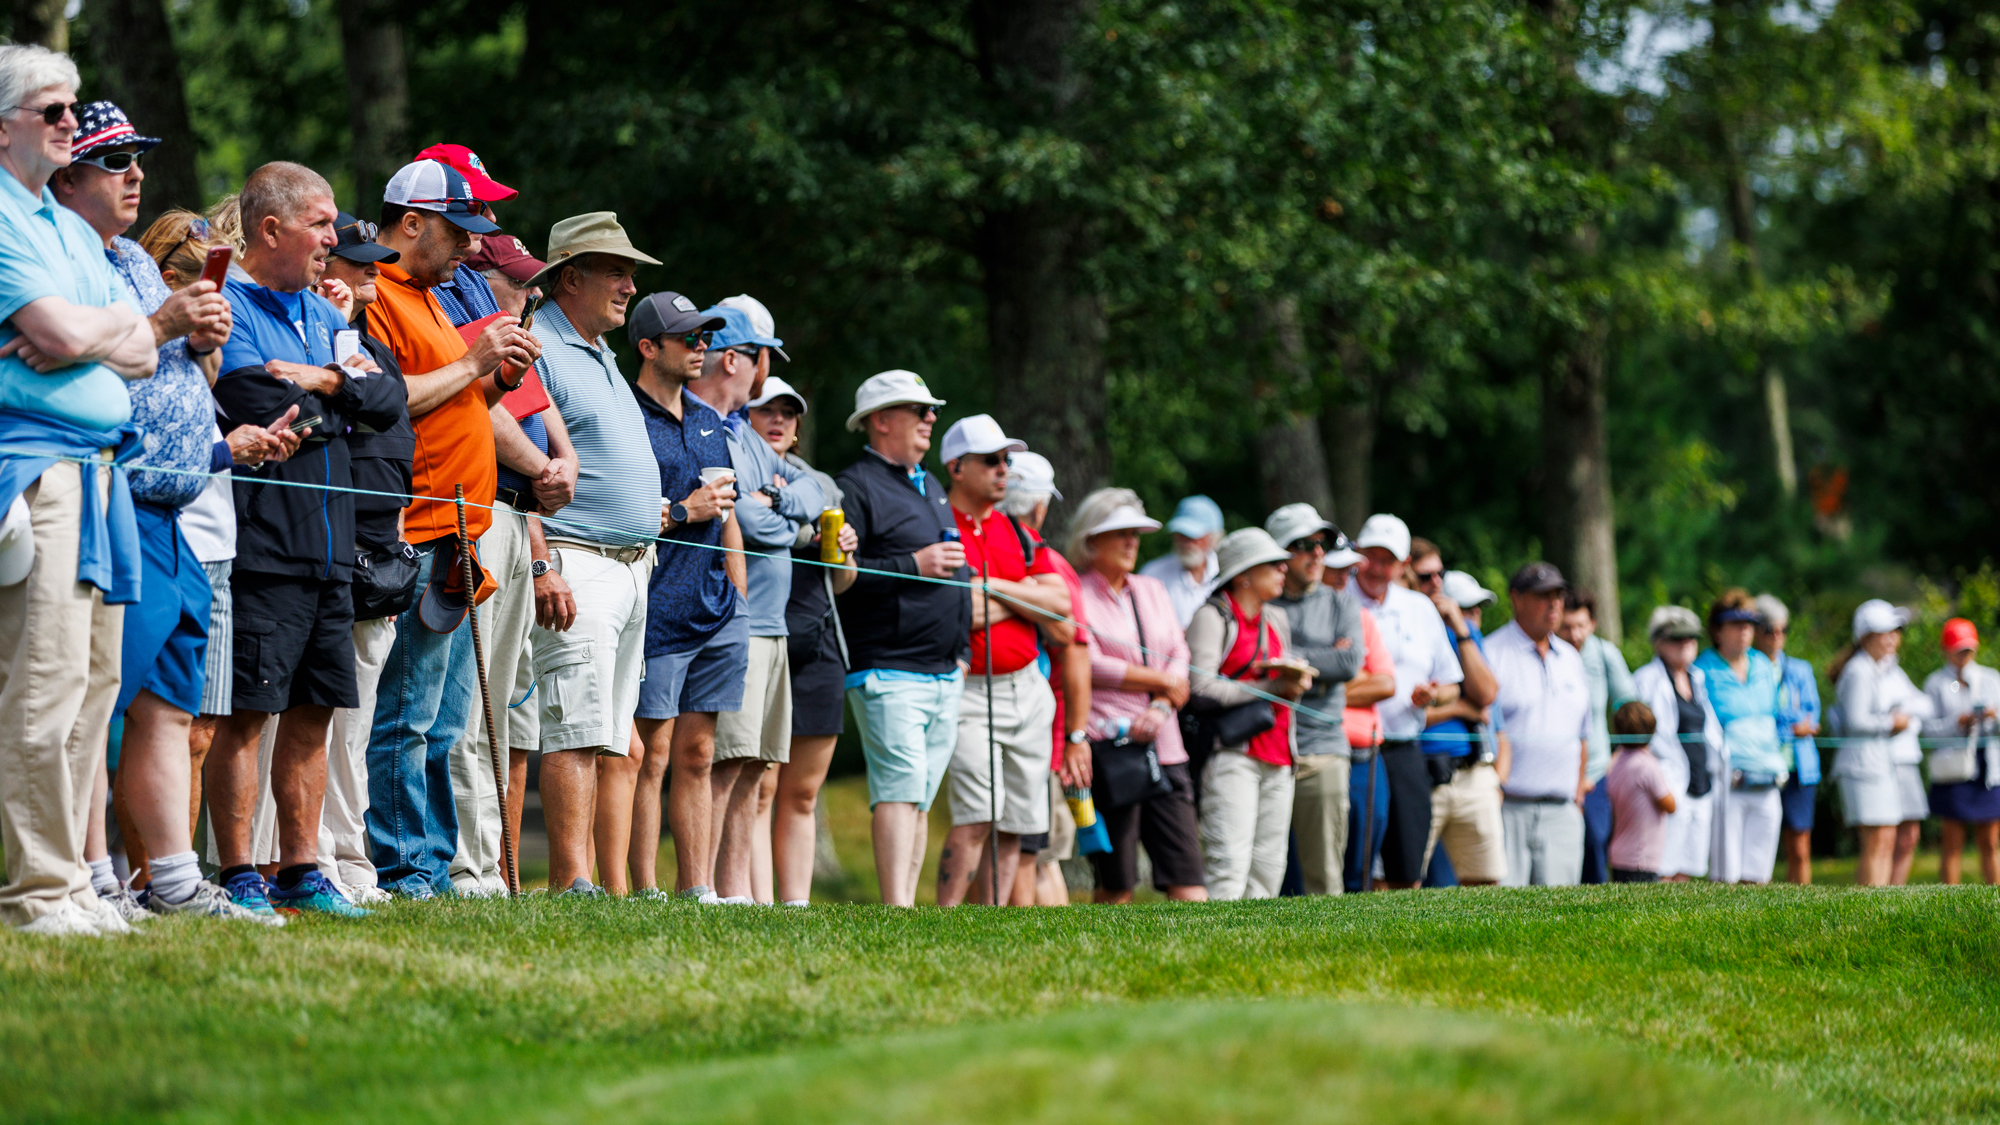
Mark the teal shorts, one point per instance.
(909, 729)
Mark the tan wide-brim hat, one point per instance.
(596, 232)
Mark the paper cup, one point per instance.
(717, 472)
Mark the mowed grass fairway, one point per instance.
(1690, 1003)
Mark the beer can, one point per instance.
(949, 535)
(830, 523)
(1082, 808)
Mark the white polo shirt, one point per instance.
(1544, 704)
(1420, 644)
(1183, 589)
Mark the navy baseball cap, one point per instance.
(432, 185)
(357, 241)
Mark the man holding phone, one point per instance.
(293, 607)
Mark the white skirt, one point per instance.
(1690, 829)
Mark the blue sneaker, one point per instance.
(315, 895)
(248, 891)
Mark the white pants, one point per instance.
(1750, 825)
(343, 827)
(1246, 823)
(1544, 843)
(503, 632)
(1689, 830)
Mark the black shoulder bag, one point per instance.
(1124, 772)
(1230, 726)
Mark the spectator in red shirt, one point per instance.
(1006, 708)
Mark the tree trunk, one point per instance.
(141, 71)
(378, 96)
(1348, 432)
(1045, 328)
(42, 22)
(1577, 470)
(1291, 461)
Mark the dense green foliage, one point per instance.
(1454, 192)
(1871, 1004)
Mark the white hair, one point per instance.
(1095, 509)
(1021, 503)
(27, 67)
(1773, 611)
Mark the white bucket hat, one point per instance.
(1126, 518)
(890, 388)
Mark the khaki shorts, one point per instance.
(1024, 710)
(1062, 826)
(1465, 818)
(587, 678)
(763, 728)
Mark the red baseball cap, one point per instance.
(466, 162)
(503, 252)
(1960, 634)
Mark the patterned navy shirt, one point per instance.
(174, 406)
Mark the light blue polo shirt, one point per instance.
(47, 250)
(617, 480)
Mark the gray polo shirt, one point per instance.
(617, 480)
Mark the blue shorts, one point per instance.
(1798, 803)
(909, 731)
(166, 633)
(706, 680)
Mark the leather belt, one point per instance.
(521, 500)
(626, 555)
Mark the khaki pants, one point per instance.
(1465, 818)
(504, 624)
(59, 659)
(343, 819)
(1319, 819)
(1246, 822)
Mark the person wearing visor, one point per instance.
(1326, 633)
(1687, 739)
(908, 643)
(1882, 714)
(1005, 684)
(1139, 683)
(1965, 760)
(1189, 573)
(1743, 687)
(695, 661)
(429, 690)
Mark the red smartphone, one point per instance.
(216, 268)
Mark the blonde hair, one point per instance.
(1095, 509)
(174, 247)
(225, 221)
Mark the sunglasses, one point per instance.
(1428, 576)
(198, 230)
(993, 460)
(116, 163)
(52, 113)
(692, 341)
(920, 409)
(1317, 543)
(364, 231)
(746, 350)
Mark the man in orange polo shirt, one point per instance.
(428, 689)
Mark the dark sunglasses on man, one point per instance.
(1322, 543)
(52, 113)
(993, 460)
(920, 409)
(1428, 577)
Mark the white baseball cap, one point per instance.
(775, 387)
(1464, 589)
(433, 185)
(761, 322)
(1385, 530)
(1294, 522)
(1878, 616)
(17, 543)
(1031, 472)
(1125, 518)
(890, 388)
(976, 434)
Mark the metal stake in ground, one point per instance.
(992, 749)
(495, 736)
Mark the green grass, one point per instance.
(1613, 1003)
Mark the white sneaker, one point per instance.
(735, 900)
(127, 905)
(67, 920)
(109, 921)
(369, 896)
(210, 901)
(707, 898)
(797, 902)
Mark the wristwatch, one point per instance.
(1078, 737)
(677, 512)
(539, 567)
(1461, 639)
(771, 492)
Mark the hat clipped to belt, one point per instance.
(1242, 549)
(1878, 616)
(889, 388)
(428, 185)
(776, 388)
(443, 603)
(17, 544)
(1031, 472)
(593, 232)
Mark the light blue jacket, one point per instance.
(768, 533)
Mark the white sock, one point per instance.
(102, 879)
(175, 877)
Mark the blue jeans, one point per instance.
(1596, 832)
(1360, 859)
(426, 697)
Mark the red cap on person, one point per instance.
(1960, 634)
(466, 162)
(504, 252)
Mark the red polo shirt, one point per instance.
(994, 550)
